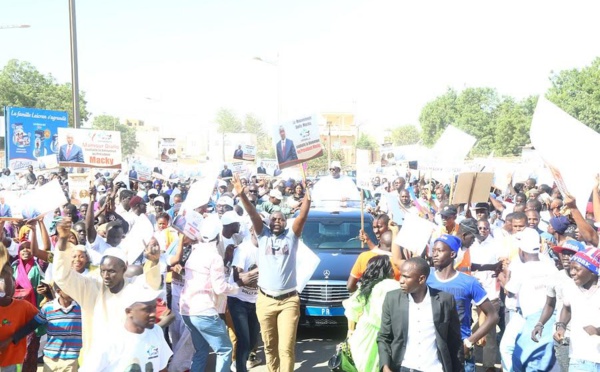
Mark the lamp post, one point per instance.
(74, 65)
(3, 27)
(277, 64)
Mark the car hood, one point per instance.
(336, 263)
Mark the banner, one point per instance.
(578, 181)
(168, 150)
(297, 141)
(239, 146)
(88, 148)
(31, 134)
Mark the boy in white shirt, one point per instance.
(140, 345)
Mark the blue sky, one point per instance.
(175, 63)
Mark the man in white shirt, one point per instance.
(420, 329)
(335, 187)
(581, 309)
(140, 344)
(527, 282)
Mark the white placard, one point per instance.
(306, 264)
(453, 145)
(415, 233)
(578, 181)
(46, 198)
(88, 148)
(189, 222)
(297, 141)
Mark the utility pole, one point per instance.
(74, 65)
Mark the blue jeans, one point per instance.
(246, 327)
(209, 332)
(470, 364)
(578, 365)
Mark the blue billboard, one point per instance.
(32, 136)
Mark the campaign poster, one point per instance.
(168, 150)
(88, 148)
(239, 147)
(297, 141)
(31, 134)
(79, 188)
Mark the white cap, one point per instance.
(79, 247)
(101, 188)
(138, 292)
(230, 217)
(225, 200)
(211, 227)
(221, 183)
(159, 199)
(141, 194)
(117, 253)
(335, 164)
(276, 194)
(528, 241)
(152, 192)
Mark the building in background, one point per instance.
(341, 130)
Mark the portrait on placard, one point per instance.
(297, 141)
(89, 148)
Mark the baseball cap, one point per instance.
(276, 194)
(135, 201)
(159, 199)
(152, 192)
(590, 259)
(230, 217)
(117, 253)
(560, 224)
(448, 211)
(225, 200)
(570, 245)
(335, 164)
(138, 292)
(221, 183)
(211, 227)
(528, 240)
(469, 225)
(101, 188)
(485, 206)
(451, 241)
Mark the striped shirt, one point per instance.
(64, 329)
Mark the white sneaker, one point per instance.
(253, 361)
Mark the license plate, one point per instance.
(324, 311)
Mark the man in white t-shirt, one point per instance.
(528, 283)
(581, 310)
(140, 345)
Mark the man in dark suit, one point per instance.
(261, 169)
(433, 341)
(226, 172)
(286, 151)
(238, 153)
(4, 208)
(70, 152)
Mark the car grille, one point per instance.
(324, 293)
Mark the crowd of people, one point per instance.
(115, 285)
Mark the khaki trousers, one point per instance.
(278, 323)
(60, 365)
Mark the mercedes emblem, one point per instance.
(326, 274)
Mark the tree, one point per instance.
(22, 85)
(437, 115)
(405, 135)
(366, 142)
(512, 124)
(264, 142)
(128, 139)
(228, 122)
(578, 93)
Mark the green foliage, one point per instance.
(228, 121)
(264, 143)
(405, 135)
(321, 166)
(577, 92)
(22, 85)
(366, 142)
(500, 124)
(128, 140)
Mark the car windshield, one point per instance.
(334, 234)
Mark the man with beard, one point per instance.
(278, 303)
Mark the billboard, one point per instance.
(31, 134)
(87, 148)
(297, 141)
(167, 150)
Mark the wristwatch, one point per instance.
(468, 343)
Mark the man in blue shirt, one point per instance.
(465, 289)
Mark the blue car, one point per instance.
(333, 236)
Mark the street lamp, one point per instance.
(277, 64)
(74, 65)
(2, 27)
